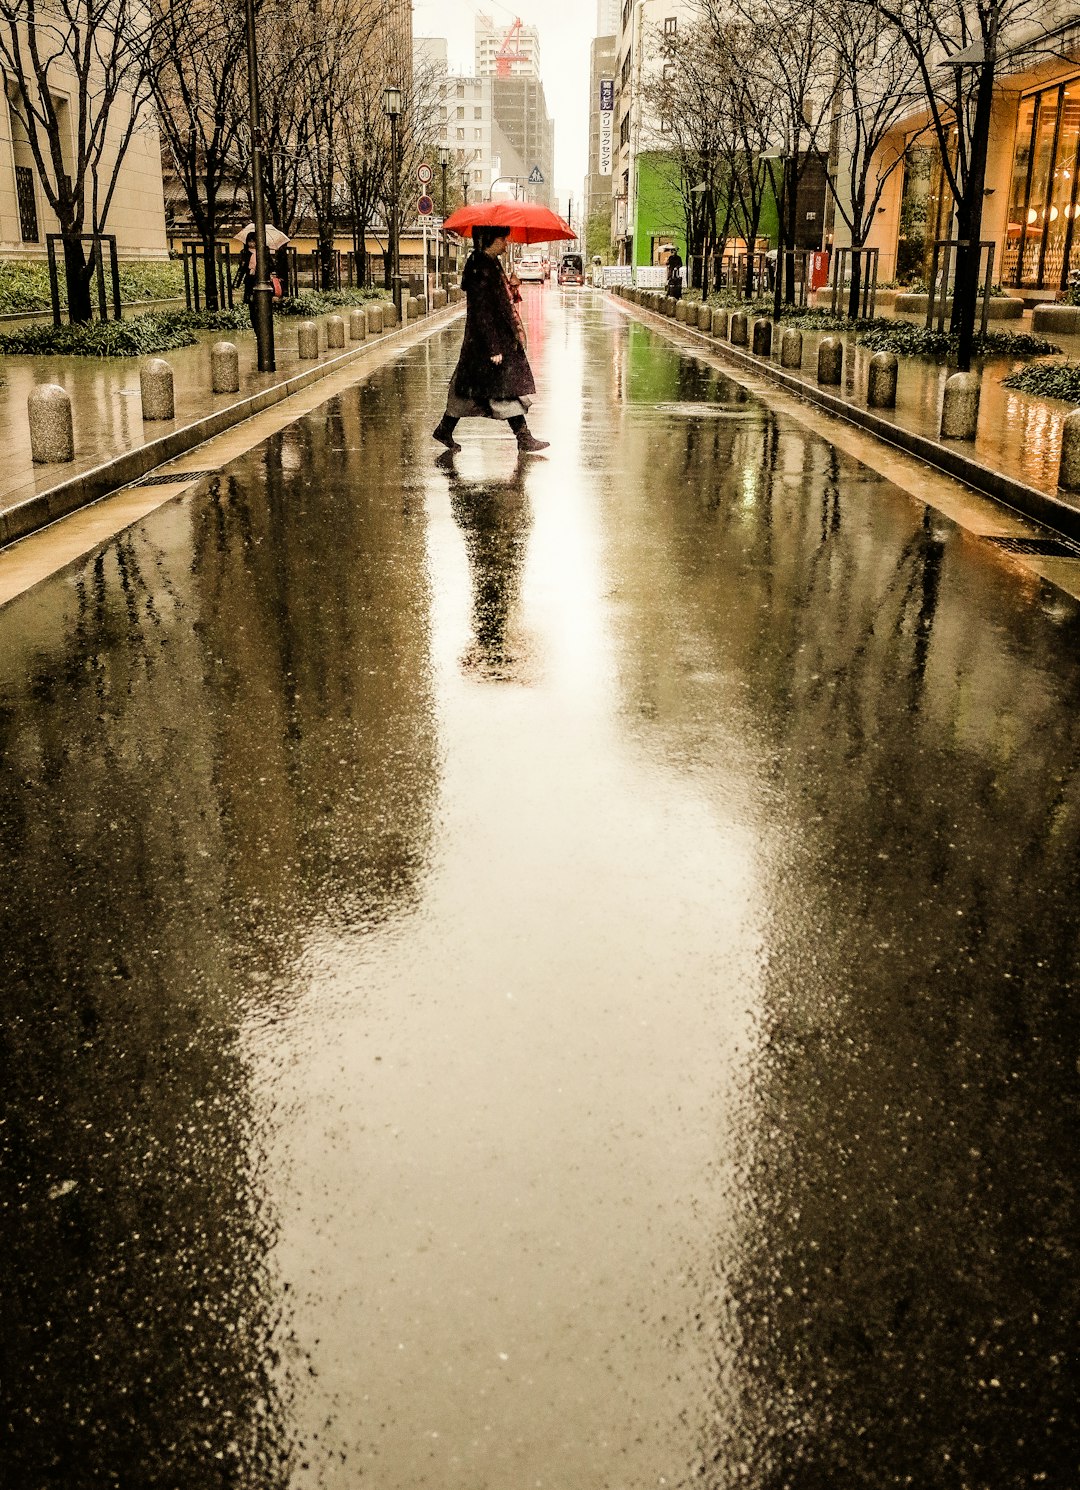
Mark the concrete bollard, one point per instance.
(960, 406)
(791, 347)
(438, 299)
(719, 322)
(830, 361)
(417, 307)
(156, 387)
(681, 311)
(737, 328)
(335, 332)
(457, 295)
(762, 337)
(224, 368)
(52, 436)
(375, 319)
(704, 317)
(307, 338)
(881, 382)
(357, 324)
(1069, 470)
(391, 312)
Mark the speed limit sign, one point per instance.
(424, 174)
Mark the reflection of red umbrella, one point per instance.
(525, 222)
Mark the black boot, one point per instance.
(445, 433)
(526, 440)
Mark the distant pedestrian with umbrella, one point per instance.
(246, 268)
(493, 379)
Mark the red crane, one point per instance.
(506, 55)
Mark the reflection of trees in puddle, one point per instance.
(893, 715)
(215, 735)
(495, 518)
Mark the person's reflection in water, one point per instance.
(495, 517)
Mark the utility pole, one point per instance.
(392, 110)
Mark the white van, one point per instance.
(532, 266)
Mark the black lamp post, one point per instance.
(262, 296)
(444, 166)
(392, 110)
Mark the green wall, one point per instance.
(660, 209)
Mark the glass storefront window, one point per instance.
(1043, 198)
(921, 212)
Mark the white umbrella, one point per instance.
(275, 238)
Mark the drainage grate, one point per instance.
(1049, 548)
(173, 478)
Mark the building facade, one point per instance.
(645, 217)
(1032, 198)
(523, 136)
(598, 178)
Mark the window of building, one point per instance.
(478, 134)
(671, 25)
(625, 77)
(624, 129)
(1043, 197)
(461, 111)
(461, 134)
(27, 197)
(478, 112)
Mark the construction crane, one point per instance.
(507, 55)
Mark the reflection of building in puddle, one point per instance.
(495, 518)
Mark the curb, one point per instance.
(68, 496)
(1051, 511)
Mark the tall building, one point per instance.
(518, 44)
(607, 17)
(601, 127)
(645, 216)
(394, 38)
(463, 122)
(523, 136)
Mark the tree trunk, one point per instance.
(77, 281)
(211, 299)
(856, 283)
(969, 210)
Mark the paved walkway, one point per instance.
(106, 407)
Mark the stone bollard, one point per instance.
(417, 307)
(881, 382)
(375, 319)
(308, 340)
(737, 328)
(791, 347)
(156, 387)
(681, 309)
(224, 368)
(830, 361)
(52, 436)
(335, 332)
(457, 295)
(960, 407)
(438, 299)
(1069, 472)
(704, 317)
(762, 337)
(719, 322)
(391, 312)
(357, 324)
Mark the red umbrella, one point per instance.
(525, 222)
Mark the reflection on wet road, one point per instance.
(540, 973)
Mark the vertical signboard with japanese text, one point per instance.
(607, 116)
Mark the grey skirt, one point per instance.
(498, 408)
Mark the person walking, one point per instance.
(245, 274)
(493, 379)
(674, 275)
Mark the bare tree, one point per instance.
(878, 86)
(196, 49)
(77, 87)
(958, 47)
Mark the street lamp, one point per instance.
(444, 166)
(392, 110)
(262, 296)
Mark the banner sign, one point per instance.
(607, 117)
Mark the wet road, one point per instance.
(540, 974)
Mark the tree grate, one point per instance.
(173, 478)
(1049, 548)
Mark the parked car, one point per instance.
(571, 270)
(530, 268)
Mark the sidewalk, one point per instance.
(108, 421)
(1019, 435)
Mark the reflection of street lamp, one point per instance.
(444, 166)
(262, 296)
(392, 110)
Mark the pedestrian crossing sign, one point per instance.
(536, 176)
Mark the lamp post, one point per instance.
(262, 296)
(444, 166)
(392, 110)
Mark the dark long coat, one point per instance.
(491, 327)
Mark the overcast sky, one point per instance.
(566, 28)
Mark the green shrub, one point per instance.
(24, 287)
(908, 340)
(1048, 380)
(317, 302)
(134, 338)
